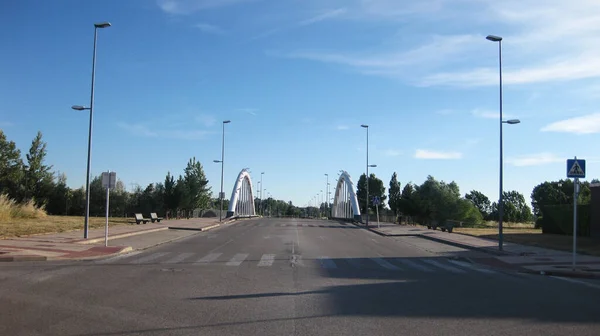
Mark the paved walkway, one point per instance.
(522, 257)
(72, 245)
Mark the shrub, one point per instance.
(10, 209)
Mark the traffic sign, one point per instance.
(109, 180)
(376, 200)
(575, 168)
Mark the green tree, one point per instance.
(515, 208)
(11, 168)
(481, 202)
(395, 194)
(407, 204)
(60, 196)
(197, 192)
(38, 179)
(376, 189)
(169, 196)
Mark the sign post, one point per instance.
(109, 180)
(575, 169)
(376, 202)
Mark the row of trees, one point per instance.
(31, 179)
(440, 201)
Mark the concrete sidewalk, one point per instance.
(72, 245)
(519, 257)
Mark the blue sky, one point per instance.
(297, 79)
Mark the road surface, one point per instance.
(291, 277)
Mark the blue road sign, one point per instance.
(575, 168)
(376, 200)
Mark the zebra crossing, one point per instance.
(263, 224)
(423, 265)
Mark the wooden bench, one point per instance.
(154, 217)
(139, 218)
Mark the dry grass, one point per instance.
(534, 237)
(9, 209)
(510, 225)
(19, 227)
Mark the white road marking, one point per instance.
(208, 258)
(326, 262)
(473, 267)
(383, 263)
(414, 264)
(237, 259)
(119, 257)
(179, 258)
(266, 260)
(442, 266)
(150, 257)
(579, 282)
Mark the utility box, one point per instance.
(595, 211)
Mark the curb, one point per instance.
(123, 235)
(439, 240)
(567, 274)
(23, 258)
(206, 228)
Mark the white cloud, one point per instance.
(341, 127)
(429, 154)
(324, 16)
(210, 29)
(142, 130)
(191, 6)
(251, 111)
(587, 124)
(206, 120)
(534, 159)
(444, 111)
(6, 124)
(392, 152)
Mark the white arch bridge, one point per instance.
(241, 203)
(345, 203)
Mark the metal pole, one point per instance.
(367, 200)
(107, 205)
(261, 194)
(501, 198)
(89, 155)
(575, 192)
(222, 171)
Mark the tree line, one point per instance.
(30, 179)
(435, 200)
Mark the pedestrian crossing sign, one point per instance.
(575, 168)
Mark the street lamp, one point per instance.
(222, 168)
(327, 193)
(367, 176)
(498, 39)
(261, 194)
(91, 108)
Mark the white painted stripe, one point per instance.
(473, 267)
(266, 260)
(178, 258)
(208, 258)
(414, 264)
(117, 258)
(150, 257)
(579, 282)
(383, 263)
(237, 259)
(353, 262)
(326, 262)
(443, 266)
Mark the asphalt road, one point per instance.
(290, 277)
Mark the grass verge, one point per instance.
(534, 237)
(10, 209)
(18, 227)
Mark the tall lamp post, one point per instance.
(222, 162)
(367, 176)
(327, 195)
(261, 193)
(91, 108)
(498, 39)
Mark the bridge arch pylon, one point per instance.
(345, 203)
(241, 203)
